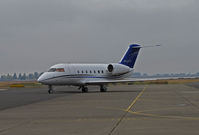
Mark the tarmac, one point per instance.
(122, 110)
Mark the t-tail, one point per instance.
(130, 56)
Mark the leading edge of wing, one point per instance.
(128, 80)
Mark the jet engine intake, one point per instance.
(117, 69)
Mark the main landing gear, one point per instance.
(50, 89)
(103, 88)
(84, 89)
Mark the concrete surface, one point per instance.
(123, 110)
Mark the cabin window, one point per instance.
(102, 71)
(86, 71)
(98, 71)
(90, 71)
(78, 71)
(82, 71)
(94, 71)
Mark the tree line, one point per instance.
(20, 77)
(145, 75)
(34, 76)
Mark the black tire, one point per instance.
(103, 89)
(50, 91)
(84, 89)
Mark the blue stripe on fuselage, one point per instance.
(86, 76)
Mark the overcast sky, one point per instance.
(35, 34)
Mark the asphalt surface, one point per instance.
(123, 110)
(194, 84)
(10, 98)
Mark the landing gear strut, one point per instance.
(103, 88)
(50, 89)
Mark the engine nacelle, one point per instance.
(117, 69)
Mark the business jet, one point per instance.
(83, 75)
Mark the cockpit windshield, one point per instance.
(56, 70)
(52, 70)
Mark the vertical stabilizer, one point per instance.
(130, 56)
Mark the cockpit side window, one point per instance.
(60, 70)
(56, 70)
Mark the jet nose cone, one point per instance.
(41, 78)
(44, 78)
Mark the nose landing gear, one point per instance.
(50, 89)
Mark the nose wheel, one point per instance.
(50, 89)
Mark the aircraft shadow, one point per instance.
(118, 91)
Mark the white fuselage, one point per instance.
(80, 74)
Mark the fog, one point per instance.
(35, 35)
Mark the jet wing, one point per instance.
(128, 80)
